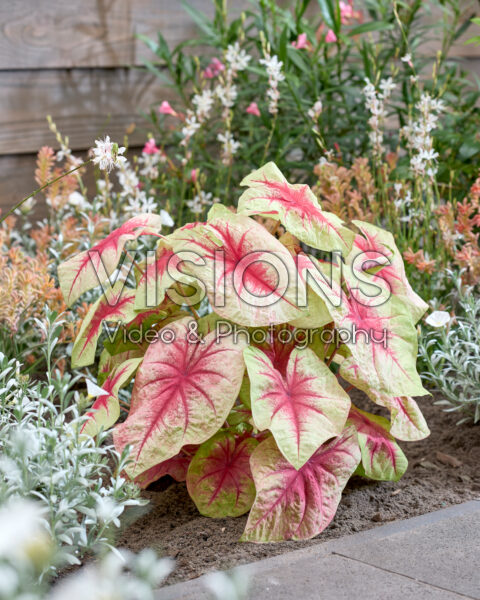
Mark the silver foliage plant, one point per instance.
(452, 360)
(76, 479)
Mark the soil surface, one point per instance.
(172, 525)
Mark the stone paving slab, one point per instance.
(434, 556)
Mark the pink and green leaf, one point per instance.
(243, 270)
(219, 479)
(377, 243)
(382, 457)
(105, 411)
(298, 505)
(296, 207)
(407, 422)
(155, 280)
(183, 394)
(117, 307)
(303, 408)
(107, 362)
(93, 267)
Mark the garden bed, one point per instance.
(443, 470)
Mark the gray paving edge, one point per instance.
(194, 588)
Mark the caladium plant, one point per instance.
(255, 326)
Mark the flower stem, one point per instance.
(19, 204)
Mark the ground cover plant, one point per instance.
(450, 351)
(261, 424)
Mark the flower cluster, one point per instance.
(419, 138)
(375, 102)
(275, 76)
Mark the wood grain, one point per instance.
(85, 104)
(90, 33)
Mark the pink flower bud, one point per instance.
(253, 109)
(302, 42)
(330, 37)
(166, 109)
(150, 147)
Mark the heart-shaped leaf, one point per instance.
(155, 279)
(105, 411)
(183, 393)
(219, 479)
(249, 276)
(377, 243)
(298, 505)
(407, 421)
(303, 408)
(296, 207)
(382, 457)
(117, 306)
(378, 331)
(93, 267)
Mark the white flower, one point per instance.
(230, 146)
(79, 201)
(191, 126)
(21, 528)
(195, 205)
(94, 391)
(237, 59)
(226, 94)
(387, 86)
(203, 103)
(275, 75)
(316, 110)
(407, 58)
(166, 218)
(273, 66)
(438, 318)
(107, 154)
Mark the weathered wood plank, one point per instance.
(90, 33)
(85, 104)
(17, 180)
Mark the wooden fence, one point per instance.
(71, 59)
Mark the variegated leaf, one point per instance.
(93, 267)
(382, 457)
(118, 306)
(105, 411)
(219, 479)
(303, 407)
(182, 395)
(293, 504)
(296, 207)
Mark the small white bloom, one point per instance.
(407, 58)
(237, 58)
(191, 126)
(195, 205)
(230, 146)
(94, 391)
(438, 318)
(203, 103)
(79, 201)
(107, 154)
(387, 86)
(166, 218)
(226, 94)
(316, 110)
